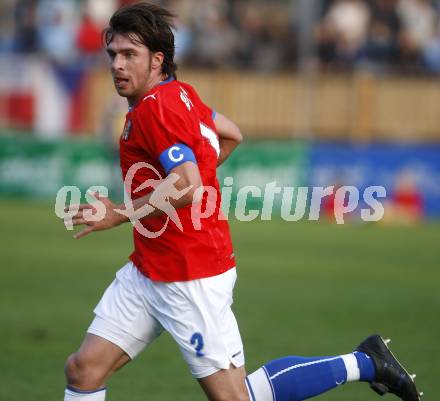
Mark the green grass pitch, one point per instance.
(303, 289)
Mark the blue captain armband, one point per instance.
(175, 156)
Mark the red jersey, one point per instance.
(169, 114)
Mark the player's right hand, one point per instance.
(99, 216)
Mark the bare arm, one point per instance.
(229, 136)
(187, 183)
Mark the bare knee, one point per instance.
(83, 372)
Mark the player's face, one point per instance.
(131, 67)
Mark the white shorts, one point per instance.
(134, 310)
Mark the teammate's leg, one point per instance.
(88, 368)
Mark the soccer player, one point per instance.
(181, 278)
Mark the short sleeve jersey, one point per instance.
(167, 117)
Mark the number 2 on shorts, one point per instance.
(197, 341)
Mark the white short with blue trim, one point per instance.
(134, 311)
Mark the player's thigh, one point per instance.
(100, 351)
(226, 385)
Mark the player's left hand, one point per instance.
(99, 216)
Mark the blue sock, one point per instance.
(295, 378)
(366, 367)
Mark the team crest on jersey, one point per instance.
(126, 132)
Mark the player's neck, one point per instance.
(152, 83)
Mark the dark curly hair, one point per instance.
(148, 24)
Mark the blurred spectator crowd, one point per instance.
(380, 35)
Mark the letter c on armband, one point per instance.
(172, 157)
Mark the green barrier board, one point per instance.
(259, 164)
(35, 168)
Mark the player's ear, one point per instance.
(157, 60)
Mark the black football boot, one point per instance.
(391, 376)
